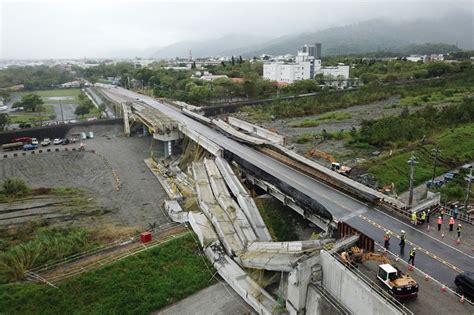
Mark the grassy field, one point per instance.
(314, 122)
(139, 284)
(457, 147)
(56, 92)
(30, 117)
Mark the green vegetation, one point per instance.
(48, 245)
(278, 219)
(34, 77)
(407, 127)
(139, 285)
(14, 186)
(5, 119)
(305, 137)
(86, 108)
(453, 86)
(314, 122)
(457, 147)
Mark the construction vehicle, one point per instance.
(398, 284)
(335, 166)
(12, 146)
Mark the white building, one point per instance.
(416, 58)
(338, 72)
(287, 72)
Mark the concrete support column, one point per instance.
(168, 148)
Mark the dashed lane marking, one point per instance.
(421, 249)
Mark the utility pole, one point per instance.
(62, 113)
(468, 190)
(436, 152)
(411, 161)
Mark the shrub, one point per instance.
(14, 186)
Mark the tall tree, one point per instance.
(30, 102)
(4, 121)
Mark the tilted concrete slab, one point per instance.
(288, 247)
(268, 261)
(240, 136)
(232, 209)
(246, 202)
(223, 225)
(256, 130)
(246, 287)
(203, 228)
(204, 142)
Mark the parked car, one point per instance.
(449, 176)
(57, 141)
(3, 108)
(34, 141)
(65, 141)
(29, 147)
(25, 140)
(45, 142)
(435, 183)
(465, 283)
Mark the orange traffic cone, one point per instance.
(428, 227)
(426, 277)
(442, 235)
(458, 241)
(410, 267)
(462, 299)
(443, 288)
(396, 259)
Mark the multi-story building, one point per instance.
(287, 72)
(337, 72)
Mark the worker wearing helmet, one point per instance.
(412, 253)
(402, 241)
(459, 229)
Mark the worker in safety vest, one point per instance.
(413, 218)
(402, 241)
(440, 221)
(459, 229)
(386, 239)
(412, 253)
(423, 217)
(451, 223)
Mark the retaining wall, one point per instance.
(56, 131)
(347, 288)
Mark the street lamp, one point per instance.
(411, 161)
(436, 151)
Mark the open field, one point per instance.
(139, 284)
(137, 202)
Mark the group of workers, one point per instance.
(411, 254)
(424, 217)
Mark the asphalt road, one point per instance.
(435, 257)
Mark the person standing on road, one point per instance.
(440, 221)
(456, 211)
(442, 213)
(402, 241)
(423, 217)
(411, 259)
(428, 213)
(451, 224)
(459, 229)
(386, 240)
(413, 218)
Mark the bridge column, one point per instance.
(168, 148)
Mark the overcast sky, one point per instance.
(86, 28)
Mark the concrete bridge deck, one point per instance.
(438, 258)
